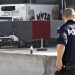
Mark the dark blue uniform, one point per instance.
(66, 36)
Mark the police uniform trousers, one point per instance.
(70, 72)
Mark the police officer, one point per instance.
(65, 62)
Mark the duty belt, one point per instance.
(66, 67)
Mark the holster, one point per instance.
(66, 67)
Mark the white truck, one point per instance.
(27, 12)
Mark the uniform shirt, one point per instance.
(66, 36)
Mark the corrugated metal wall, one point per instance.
(28, 1)
(35, 1)
(11, 1)
(15, 1)
(48, 1)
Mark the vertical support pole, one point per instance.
(62, 7)
(41, 42)
(65, 4)
(30, 1)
